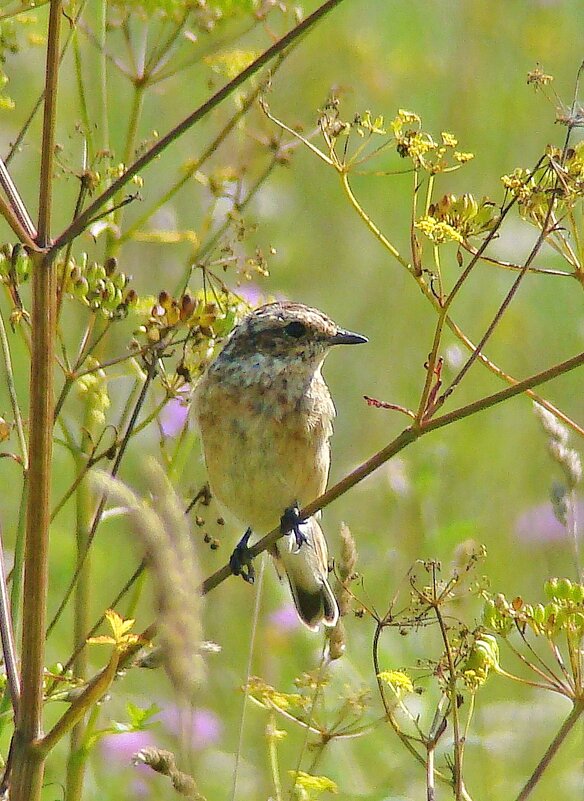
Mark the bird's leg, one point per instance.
(240, 560)
(290, 523)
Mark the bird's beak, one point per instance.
(343, 337)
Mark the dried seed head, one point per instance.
(349, 555)
(569, 460)
(337, 640)
(161, 526)
(550, 424)
(164, 762)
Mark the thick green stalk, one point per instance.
(28, 766)
(27, 779)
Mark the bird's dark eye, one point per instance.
(295, 329)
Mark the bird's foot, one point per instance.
(290, 524)
(240, 560)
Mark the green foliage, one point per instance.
(11, 34)
(206, 12)
(129, 350)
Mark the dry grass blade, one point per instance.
(170, 553)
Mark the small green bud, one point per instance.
(81, 288)
(22, 265)
(577, 594)
(564, 589)
(550, 588)
(108, 292)
(119, 280)
(551, 612)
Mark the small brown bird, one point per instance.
(265, 416)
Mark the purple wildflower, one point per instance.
(174, 414)
(121, 747)
(203, 727)
(540, 526)
(285, 618)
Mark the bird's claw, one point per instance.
(290, 524)
(240, 560)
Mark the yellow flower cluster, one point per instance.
(467, 216)
(438, 231)
(421, 147)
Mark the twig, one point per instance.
(552, 750)
(7, 634)
(16, 201)
(404, 439)
(4, 345)
(457, 743)
(9, 215)
(95, 690)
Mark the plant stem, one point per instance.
(16, 591)
(8, 649)
(250, 655)
(94, 691)
(49, 120)
(430, 779)
(5, 347)
(427, 291)
(16, 202)
(113, 243)
(28, 764)
(452, 686)
(552, 750)
(273, 752)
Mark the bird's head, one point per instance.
(287, 331)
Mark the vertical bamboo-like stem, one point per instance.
(28, 763)
(48, 143)
(28, 766)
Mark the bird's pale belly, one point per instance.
(258, 465)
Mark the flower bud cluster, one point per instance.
(421, 147)
(482, 659)
(560, 181)
(467, 216)
(187, 311)
(102, 287)
(204, 323)
(564, 611)
(92, 387)
(15, 264)
(404, 133)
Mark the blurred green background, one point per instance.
(462, 66)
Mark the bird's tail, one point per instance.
(307, 570)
